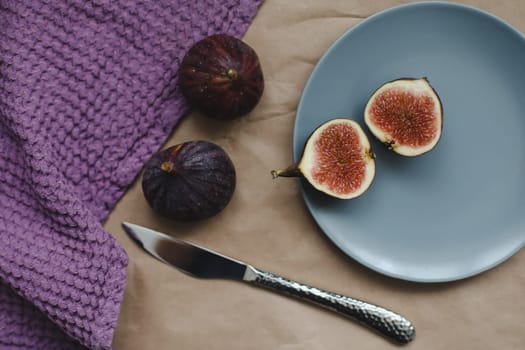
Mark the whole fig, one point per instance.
(222, 77)
(190, 181)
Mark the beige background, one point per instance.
(268, 225)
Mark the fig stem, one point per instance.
(167, 166)
(390, 144)
(291, 171)
(232, 74)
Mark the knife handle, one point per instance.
(390, 324)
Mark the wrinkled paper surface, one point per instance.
(268, 225)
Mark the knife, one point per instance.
(205, 263)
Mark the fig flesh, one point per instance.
(190, 181)
(336, 160)
(406, 115)
(222, 77)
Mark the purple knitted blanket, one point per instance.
(88, 91)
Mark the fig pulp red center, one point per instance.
(340, 162)
(408, 118)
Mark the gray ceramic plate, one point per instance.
(460, 209)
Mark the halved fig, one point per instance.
(336, 160)
(406, 115)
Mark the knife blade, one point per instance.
(205, 263)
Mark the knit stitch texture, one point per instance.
(88, 91)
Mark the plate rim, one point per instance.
(296, 150)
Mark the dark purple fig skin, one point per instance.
(190, 181)
(222, 77)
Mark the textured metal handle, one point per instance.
(390, 324)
